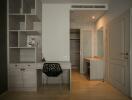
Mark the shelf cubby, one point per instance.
(20, 55)
(13, 39)
(16, 22)
(32, 23)
(24, 37)
(27, 55)
(14, 55)
(29, 6)
(15, 6)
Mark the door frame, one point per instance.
(130, 52)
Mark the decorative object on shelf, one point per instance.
(32, 41)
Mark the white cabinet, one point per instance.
(29, 78)
(96, 69)
(24, 41)
(22, 77)
(15, 78)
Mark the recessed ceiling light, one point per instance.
(93, 17)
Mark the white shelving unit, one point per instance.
(24, 39)
(24, 22)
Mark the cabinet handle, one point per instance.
(124, 54)
(28, 65)
(15, 65)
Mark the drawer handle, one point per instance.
(22, 69)
(29, 65)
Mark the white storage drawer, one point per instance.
(28, 65)
(23, 65)
(14, 66)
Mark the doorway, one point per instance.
(75, 48)
(82, 38)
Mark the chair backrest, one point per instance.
(52, 69)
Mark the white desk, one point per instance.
(96, 68)
(64, 64)
(28, 76)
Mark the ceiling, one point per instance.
(76, 1)
(85, 16)
(82, 16)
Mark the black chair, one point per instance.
(52, 70)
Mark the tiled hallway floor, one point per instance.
(82, 89)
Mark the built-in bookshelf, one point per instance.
(24, 30)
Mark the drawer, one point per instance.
(28, 65)
(23, 65)
(14, 65)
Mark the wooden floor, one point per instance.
(82, 89)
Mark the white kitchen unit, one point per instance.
(96, 68)
(24, 43)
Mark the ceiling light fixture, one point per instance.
(93, 17)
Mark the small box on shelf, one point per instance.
(33, 11)
(21, 11)
(22, 26)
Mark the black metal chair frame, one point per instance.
(52, 70)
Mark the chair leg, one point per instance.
(46, 80)
(62, 79)
(43, 81)
(61, 83)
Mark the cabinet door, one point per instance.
(96, 70)
(15, 79)
(29, 77)
(93, 70)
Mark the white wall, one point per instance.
(55, 32)
(116, 8)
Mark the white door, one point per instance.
(119, 31)
(85, 48)
(131, 51)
